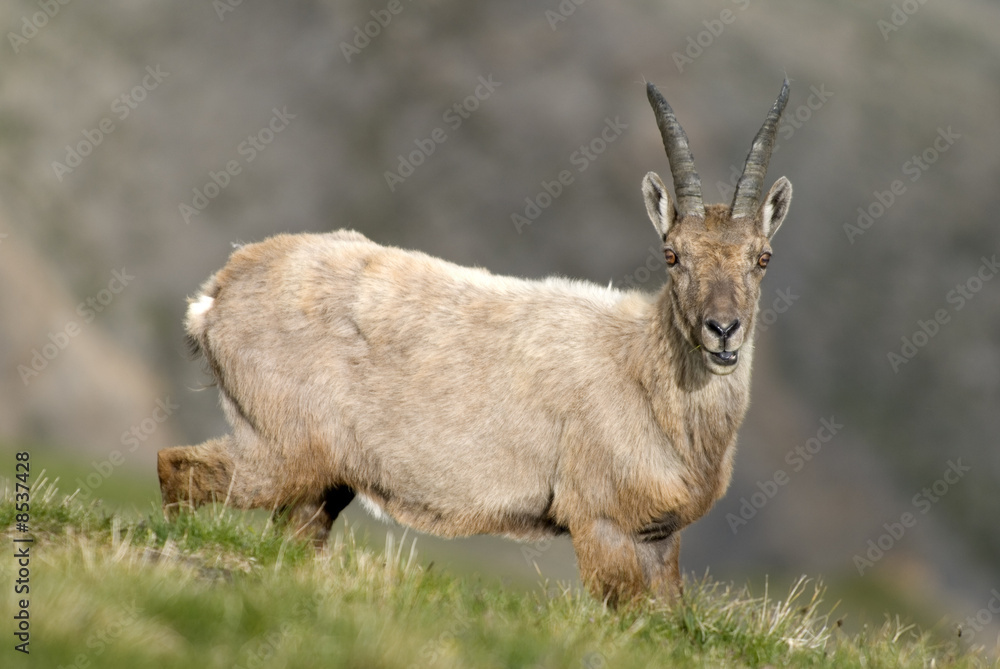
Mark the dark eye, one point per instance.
(763, 260)
(670, 256)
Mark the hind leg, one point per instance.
(194, 475)
(241, 472)
(191, 476)
(315, 518)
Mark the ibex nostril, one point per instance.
(722, 331)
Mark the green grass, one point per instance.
(223, 589)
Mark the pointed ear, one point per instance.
(775, 206)
(658, 205)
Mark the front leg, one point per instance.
(658, 546)
(619, 566)
(660, 560)
(608, 561)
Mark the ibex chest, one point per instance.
(684, 495)
(700, 445)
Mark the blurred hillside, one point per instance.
(143, 138)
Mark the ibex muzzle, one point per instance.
(459, 402)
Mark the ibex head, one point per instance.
(716, 255)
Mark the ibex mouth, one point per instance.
(725, 358)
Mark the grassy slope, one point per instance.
(216, 590)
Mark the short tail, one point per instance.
(198, 318)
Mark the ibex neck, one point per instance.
(698, 411)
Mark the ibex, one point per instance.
(459, 402)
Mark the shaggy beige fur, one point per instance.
(459, 402)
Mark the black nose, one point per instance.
(724, 331)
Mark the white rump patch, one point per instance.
(199, 308)
(372, 507)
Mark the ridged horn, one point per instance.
(687, 183)
(748, 188)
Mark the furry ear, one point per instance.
(658, 205)
(775, 206)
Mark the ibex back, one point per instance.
(459, 402)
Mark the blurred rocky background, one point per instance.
(142, 139)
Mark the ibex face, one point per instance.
(716, 255)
